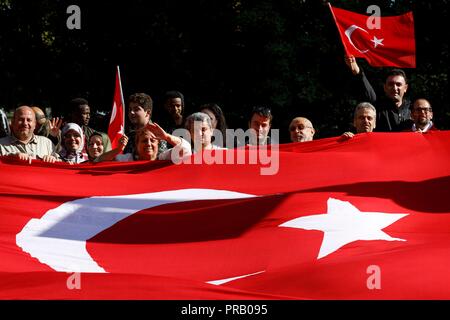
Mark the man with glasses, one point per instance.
(422, 115)
(301, 130)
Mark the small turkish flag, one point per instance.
(389, 43)
(116, 127)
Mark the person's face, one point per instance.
(201, 133)
(422, 113)
(137, 115)
(212, 116)
(72, 140)
(395, 88)
(174, 106)
(260, 127)
(24, 123)
(364, 120)
(95, 147)
(301, 130)
(85, 114)
(147, 146)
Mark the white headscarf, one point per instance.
(78, 155)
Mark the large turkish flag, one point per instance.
(366, 218)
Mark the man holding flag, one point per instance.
(393, 107)
(389, 42)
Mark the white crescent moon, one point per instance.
(113, 113)
(58, 238)
(349, 32)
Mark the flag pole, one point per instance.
(121, 97)
(337, 26)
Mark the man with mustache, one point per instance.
(422, 115)
(23, 143)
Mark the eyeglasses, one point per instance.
(299, 128)
(426, 110)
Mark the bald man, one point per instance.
(23, 143)
(301, 130)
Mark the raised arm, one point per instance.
(365, 89)
(111, 154)
(163, 135)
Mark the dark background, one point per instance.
(285, 54)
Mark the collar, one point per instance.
(427, 127)
(33, 140)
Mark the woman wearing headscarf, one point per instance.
(72, 144)
(96, 147)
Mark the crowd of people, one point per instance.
(32, 135)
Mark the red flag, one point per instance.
(116, 127)
(392, 44)
(360, 219)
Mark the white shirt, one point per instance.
(427, 127)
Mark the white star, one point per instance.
(344, 223)
(377, 42)
(121, 131)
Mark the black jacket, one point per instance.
(389, 116)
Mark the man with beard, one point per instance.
(422, 115)
(23, 143)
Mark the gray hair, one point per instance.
(197, 116)
(364, 105)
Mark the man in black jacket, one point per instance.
(393, 107)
